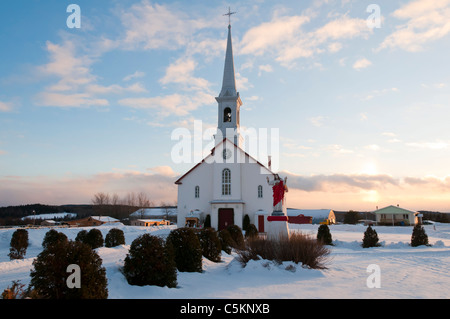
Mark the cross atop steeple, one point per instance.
(229, 15)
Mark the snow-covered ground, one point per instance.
(405, 272)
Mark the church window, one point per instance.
(197, 191)
(227, 115)
(226, 182)
(260, 191)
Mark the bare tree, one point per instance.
(101, 199)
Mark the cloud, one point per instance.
(361, 64)
(432, 182)
(135, 75)
(285, 37)
(338, 149)
(18, 190)
(376, 93)
(68, 100)
(373, 147)
(271, 34)
(264, 68)
(339, 182)
(437, 145)
(181, 72)
(164, 171)
(173, 104)
(317, 121)
(157, 26)
(426, 21)
(76, 86)
(6, 106)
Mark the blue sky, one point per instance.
(362, 112)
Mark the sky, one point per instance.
(359, 92)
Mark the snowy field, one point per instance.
(405, 272)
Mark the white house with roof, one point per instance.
(228, 183)
(394, 215)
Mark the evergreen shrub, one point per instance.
(187, 249)
(237, 236)
(210, 243)
(18, 244)
(419, 236)
(49, 278)
(324, 235)
(114, 237)
(150, 261)
(370, 238)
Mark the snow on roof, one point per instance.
(154, 211)
(105, 219)
(50, 216)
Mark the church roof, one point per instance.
(211, 154)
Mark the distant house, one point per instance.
(92, 221)
(394, 215)
(149, 222)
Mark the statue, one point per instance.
(279, 188)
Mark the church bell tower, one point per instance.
(228, 99)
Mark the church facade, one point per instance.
(228, 183)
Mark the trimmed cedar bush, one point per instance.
(245, 223)
(94, 238)
(187, 249)
(52, 236)
(210, 243)
(49, 276)
(324, 235)
(19, 244)
(114, 237)
(236, 234)
(370, 238)
(207, 223)
(226, 241)
(150, 261)
(81, 236)
(419, 236)
(298, 248)
(251, 231)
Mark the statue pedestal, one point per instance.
(277, 227)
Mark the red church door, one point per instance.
(226, 217)
(261, 223)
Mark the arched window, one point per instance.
(197, 191)
(226, 182)
(227, 115)
(260, 191)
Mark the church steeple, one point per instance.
(229, 79)
(228, 99)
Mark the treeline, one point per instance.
(12, 215)
(102, 204)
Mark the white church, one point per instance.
(228, 183)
